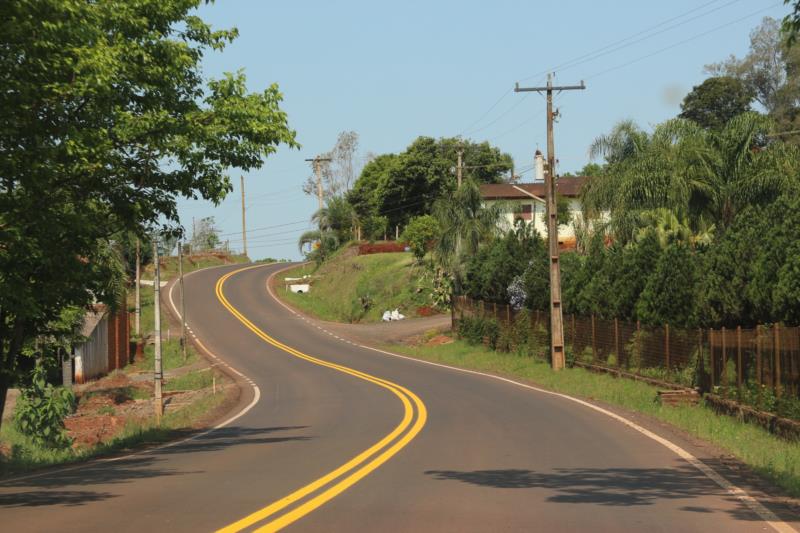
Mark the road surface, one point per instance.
(342, 438)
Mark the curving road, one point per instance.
(341, 438)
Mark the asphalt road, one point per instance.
(347, 439)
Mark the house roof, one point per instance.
(91, 319)
(569, 186)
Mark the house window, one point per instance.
(524, 213)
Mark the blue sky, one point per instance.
(394, 71)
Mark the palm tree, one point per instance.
(337, 216)
(704, 177)
(465, 223)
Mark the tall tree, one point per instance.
(771, 71)
(400, 187)
(338, 174)
(715, 101)
(105, 120)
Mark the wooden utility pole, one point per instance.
(184, 340)
(459, 167)
(318, 172)
(244, 225)
(138, 311)
(157, 371)
(556, 318)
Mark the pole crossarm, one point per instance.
(518, 89)
(523, 191)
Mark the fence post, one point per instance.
(666, 345)
(724, 376)
(594, 348)
(638, 346)
(777, 347)
(700, 358)
(573, 333)
(759, 376)
(483, 309)
(739, 356)
(616, 341)
(711, 358)
(494, 307)
(508, 313)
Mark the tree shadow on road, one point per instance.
(618, 487)
(50, 487)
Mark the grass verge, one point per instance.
(351, 288)
(774, 458)
(26, 456)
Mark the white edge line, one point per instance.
(83, 464)
(752, 503)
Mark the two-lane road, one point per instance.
(343, 438)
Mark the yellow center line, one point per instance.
(355, 467)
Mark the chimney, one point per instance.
(538, 164)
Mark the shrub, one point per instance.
(477, 330)
(420, 233)
(41, 409)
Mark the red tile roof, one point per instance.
(569, 186)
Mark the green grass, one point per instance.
(27, 456)
(195, 380)
(359, 288)
(171, 356)
(774, 458)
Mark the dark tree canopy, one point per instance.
(400, 187)
(715, 101)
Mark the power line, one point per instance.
(505, 94)
(507, 111)
(267, 227)
(604, 50)
(679, 43)
(624, 43)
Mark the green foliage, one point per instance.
(41, 409)
(668, 295)
(478, 330)
(402, 186)
(107, 122)
(563, 213)
(465, 224)
(490, 271)
(715, 101)
(704, 177)
(420, 234)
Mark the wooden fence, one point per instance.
(767, 356)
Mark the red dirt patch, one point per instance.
(90, 430)
(438, 340)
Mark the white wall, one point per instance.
(91, 357)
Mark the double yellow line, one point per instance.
(334, 483)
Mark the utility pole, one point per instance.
(557, 358)
(138, 312)
(318, 172)
(183, 301)
(157, 372)
(244, 229)
(459, 167)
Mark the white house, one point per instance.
(518, 204)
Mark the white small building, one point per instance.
(521, 206)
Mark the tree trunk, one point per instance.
(5, 382)
(10, 348)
